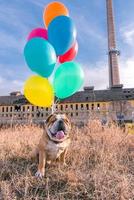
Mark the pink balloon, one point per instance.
(38, 32)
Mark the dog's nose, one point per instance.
(60, 121)
(61, 125)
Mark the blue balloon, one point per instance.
(62, 34)
(40, 56)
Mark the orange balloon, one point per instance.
(53, 10)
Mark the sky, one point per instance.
(18, 18)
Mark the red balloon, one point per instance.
(70, 54)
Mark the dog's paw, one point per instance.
(39, 174)
(65, 164)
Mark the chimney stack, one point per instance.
(113, 53)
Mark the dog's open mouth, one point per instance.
(58, 135)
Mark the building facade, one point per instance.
(114, 104)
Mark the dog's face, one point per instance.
(58, 127)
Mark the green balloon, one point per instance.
(68, 79)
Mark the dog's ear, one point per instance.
(48, 119)
(44, 122)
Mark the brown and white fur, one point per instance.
(54, 142)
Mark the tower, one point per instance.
(113, 53)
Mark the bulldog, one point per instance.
(54, 142)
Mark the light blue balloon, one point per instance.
(40, 56)
(62, 34)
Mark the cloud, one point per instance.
(127, 34)
(37, 3)
(97, 75)
(87, 30)
(127, 72)
(7, 86)
(9, 41)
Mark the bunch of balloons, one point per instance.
(45, 48)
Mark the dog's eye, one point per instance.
(66, 120)
(51, 118)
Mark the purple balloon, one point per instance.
(38, 32)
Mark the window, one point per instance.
(42, 115)
(87, 106)
(28, 108)
(71, 106)
(92, 107)
(98, 106)
(17, 108)
(38, 114)
(128, 96)
(11, 109)
(61, 107)
(82, 106)
(66, 106)
(76, 106)
(2, 109)
(41, 109)
(71, 114)
(23, 108)
(32, 108)
(6, 109)
(76, 113)
(46, 109)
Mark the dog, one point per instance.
(54, 142)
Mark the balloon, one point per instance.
(38, 32)
(68, 79)
(39, 91)
(40, 56)
(53, 10)
(61, 34)
(70, 54)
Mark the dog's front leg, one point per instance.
(62, 157)
(41, 166)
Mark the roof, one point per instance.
(114, 94)
(12, 100)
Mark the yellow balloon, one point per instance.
(39, 91)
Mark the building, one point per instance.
(116, 102)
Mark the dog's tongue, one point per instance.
(60, 135)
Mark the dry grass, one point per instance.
(100, 166)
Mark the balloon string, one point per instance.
(53, 108)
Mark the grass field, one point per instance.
(100, 166)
